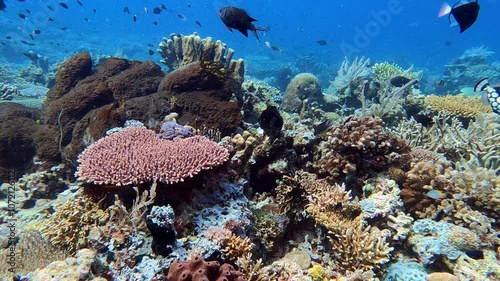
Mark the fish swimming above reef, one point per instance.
(271, 121)
(464, 13)
(399, 81)
(240, 20)
(491, 94)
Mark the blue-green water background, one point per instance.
(411, 35)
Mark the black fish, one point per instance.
(271, 121)
(163, 7)
(155, 23)
(126, 10)
(475, 254)
(2, 5)
(156, 10)
(150, 52)
(64, 5)
(28, 11)
(32, 37)
(181, 16)
(322, 42)
(198, 23)
(399, 81)
(50, 19)
(22, 16)
(36, 31)
(50, 7)
(8, 37)
(86, 19)
(465, 13)
(441, 83)
(239, 19)
(134, 18)
(94, 10)
(79, 3)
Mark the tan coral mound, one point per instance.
(457, 105)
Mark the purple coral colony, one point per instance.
(117, 169)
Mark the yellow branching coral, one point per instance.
(326, 196)
(69, 226)
(235, 247)
(385, 71)
(361, 248)
(457, 105)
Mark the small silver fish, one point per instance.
(436, 194)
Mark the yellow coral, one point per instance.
(69, 225)
(385, 71)
(457, 105)
(317, 273)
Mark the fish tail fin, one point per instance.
(444, 10)
(258, 28)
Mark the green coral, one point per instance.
(268, 225)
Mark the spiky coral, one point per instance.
(350, 73)
(457, 105)
(69, 226)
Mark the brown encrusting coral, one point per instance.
(198, 269)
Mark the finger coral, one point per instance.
(137, 155)
(358, 145)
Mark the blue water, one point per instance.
(405, 32)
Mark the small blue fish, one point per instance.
(436, 194)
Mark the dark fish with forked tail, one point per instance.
(240, 20)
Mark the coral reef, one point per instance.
(385, 71)
(68, 227)
(199, 269)
(304, 87)
(459, 106)
(137, 155)
(350, 74)
(8, 92)
(358, 146)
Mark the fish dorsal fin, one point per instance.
(481, 85)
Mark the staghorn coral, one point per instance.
(199, 269)
(358, 146)
(136, 155)
(476, 145)
(325, 196)
(233, 247)
(457, 105)
(360, 248)
(69, 225)
(252, 270)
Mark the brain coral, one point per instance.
(136, 155)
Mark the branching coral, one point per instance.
(351, 73)
(252, 270)
(457, 105)
(358, 146)
(385, 71)
(69, 225)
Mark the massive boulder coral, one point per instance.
(303, 86)
(137, 155)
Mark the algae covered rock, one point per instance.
(303, 86)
